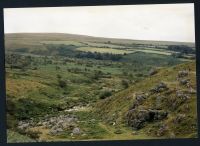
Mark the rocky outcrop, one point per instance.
(55, 124)
(139, 99)
(59, 124)
(181, 95)
(159, 88)
(138, 117)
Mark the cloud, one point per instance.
(169, 22)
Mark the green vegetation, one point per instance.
(104, 50)
(63, 87)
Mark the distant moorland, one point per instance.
(64, 87)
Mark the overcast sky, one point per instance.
(168, 22)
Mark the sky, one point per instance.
(166, 22)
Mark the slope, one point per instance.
(162, 105)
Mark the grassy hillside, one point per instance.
(63, 87)
(15, 137)
(178, 100)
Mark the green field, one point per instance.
(103, 50)
(63, 87)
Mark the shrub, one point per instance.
(11, 122)
(105, 94)
(125, 84)
(62, 83)
(59, 76)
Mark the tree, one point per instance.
(182, 49)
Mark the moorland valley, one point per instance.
(63, 87)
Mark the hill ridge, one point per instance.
(95, 37)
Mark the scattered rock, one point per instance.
(60, 130)
(76, 131)
(84, 134)
(53, 132)
(182, 95)
(56, 130)
(140, 98)
(172, 135)
(118, 131)
(184, 81)
(159, 88)
(22, 125)
(192, 91)
(179, 118)
(39, 124)
(153, 71)
(182, 73)
(161, 131)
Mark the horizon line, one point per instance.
(98, 36)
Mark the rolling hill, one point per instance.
(63, 87)
(21, 40)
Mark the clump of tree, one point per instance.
(105, 94)
(70, 51)
(15, 61)
(99, 56)
(21, 50)
(62, 83)
(97, 74)
(182, 49)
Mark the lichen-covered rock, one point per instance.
(140, 97)
(184, 81)
(137, 118)
(23, 125)
(159, 88)
(76, 131)
(181, 95)
(182, 73)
